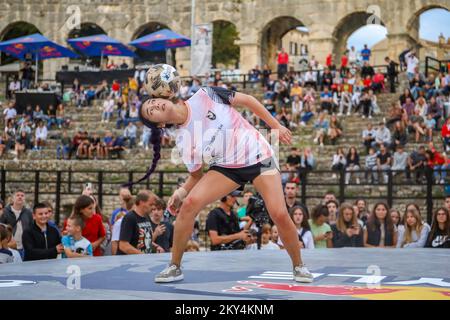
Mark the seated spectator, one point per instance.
(90, 95)
(335, 129)
(306, 115)
(38, 115)
(436, 111)
(124, 65)
(93, 230)
(3, 141)
(299, 215)
(378, 82)
(297, 108)
(63, 148)
(399, 136)
(438, 164)
(145, 137)
(416, 164)
(94, 145)
(371, 165)
(9, 113)
(75, 245)
(368, 136)
(430, 124)
(445, 133)
(333, 207)
(396, 217)
(50, 116)
(414, 232)
(400, 161)
(382, 137)
(41, 241)
(347, 232)
(321, 126)
(409, 106)
(60, 117)
(192, 246)
(366, 103)
(107, 144)
(108, 109)
(326, 101)
(266, 243)
(363, 212)
(352, 165)
(83, 147)
(380, 231)
(136, 229)
(132, 115)
(40, 137)
(76, 141)
(339, 161)
(396, 113)
(121, 116)
(307, 163)
(384, 162)
(439, 236)
(320, 229)
(130, 134)
(162, 232)
(346, 98)
(20, 145)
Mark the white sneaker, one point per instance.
(302, 274)
(170, 274)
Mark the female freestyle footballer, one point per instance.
(212, 131)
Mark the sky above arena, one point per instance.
(432, 24)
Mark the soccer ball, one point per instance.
(162, 81)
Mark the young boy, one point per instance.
(371, 162)
(75, 245)
(5, 244)
(6, 255)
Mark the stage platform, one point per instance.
(262, 275)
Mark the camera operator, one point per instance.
(222, 225)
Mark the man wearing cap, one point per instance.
(222, 224)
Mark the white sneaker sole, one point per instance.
(171, 279)
(303, 280)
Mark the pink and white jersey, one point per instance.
(215, 133)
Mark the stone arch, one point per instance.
(346, 27)
(150, 56)
(221, 24)
(271, 35)
(15, 30)
(412, 21)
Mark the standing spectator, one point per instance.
(380, 230)
(353, 56)
(40, 137)
(282, 61)
(347, 231)
(162, 232)
(344, 62)
(411, 64)
(299, 215)
(75, 245)
(371, 165)
(320, 229)
(290, 195)
(136, 228)
(339, 162)
(130, 133)
(439, 236)
(366, 53)
(369, 135)
(41, 241)
(27, 75)
(126, 204)
(391, 73)
(445, 133)
(414, 232)
(352, 165)
(396, 217)
(266, 72)
(294, 159)
(17, 216)
(384, 161)
(93, 230)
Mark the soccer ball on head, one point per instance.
(162, 81)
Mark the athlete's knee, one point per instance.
(190, 205)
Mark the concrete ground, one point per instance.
(350, 273)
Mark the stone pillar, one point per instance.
(249, 56)
(397, 43)
(321, 48)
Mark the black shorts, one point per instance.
(245, 175)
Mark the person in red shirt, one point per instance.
(329, 61)
(94, 230)
(344, 63)
(439, 163)
(283, 61)
(115, 88)
(367, 82)
(445, 132)
(378, 82)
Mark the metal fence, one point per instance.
(58, 185)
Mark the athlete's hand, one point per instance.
(285, 135)
(176, 200)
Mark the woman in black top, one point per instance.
(406, 94)
(352, 165)
(347, 232)
(399, 136)
(439, 236)
(380, 231)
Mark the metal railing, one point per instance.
(432, 64)
(313, 185)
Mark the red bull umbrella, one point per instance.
(161, 40)
(100, 45)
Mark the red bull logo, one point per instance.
(379, 293)
(109, 49)
(47, 52)
(19, 46)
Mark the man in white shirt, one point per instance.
(411, 64)
(9, 113)
(41, 136)
(352, 56)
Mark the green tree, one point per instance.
(224, 48)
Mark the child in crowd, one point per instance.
(75, 245)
